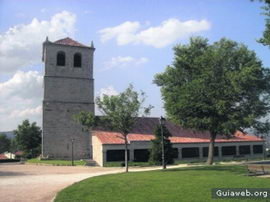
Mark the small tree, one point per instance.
(28, 139)
(86, 119)
(156, 148)
(121, 111)
(4, 143)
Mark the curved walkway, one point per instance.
(31, 183)
(23, 183)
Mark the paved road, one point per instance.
(23, 183)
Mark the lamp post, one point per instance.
(264, 147)
(161, 121)
(72, 155)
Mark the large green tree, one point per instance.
(219, 88)
(156, 147)
(4, 143)
(28, 138)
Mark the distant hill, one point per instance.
(9, 134)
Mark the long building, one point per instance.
(189, 145)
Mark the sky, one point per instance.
(134, 40)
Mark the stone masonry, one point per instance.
(67, 91)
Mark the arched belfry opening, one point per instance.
(77, 60)
(61, 58)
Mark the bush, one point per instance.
(156, 150)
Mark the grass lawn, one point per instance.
(121, 164)
(57, 162)
(182, 184)
(177, 162)
(147, 164)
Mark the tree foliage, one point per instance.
(28, 138)
(265, 39)
(4, 143)
(220, 88)
(156, 148)
(86, 119)
(121, 111)
(13, 146)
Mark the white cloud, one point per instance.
(160, 36)
(21, 45)
(107, 91)
(21, 98)
(124, 61)
(124, 33)
(22, 84)
(28, 112)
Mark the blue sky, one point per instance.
(135, 43)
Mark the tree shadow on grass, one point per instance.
(233, 169)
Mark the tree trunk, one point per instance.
(211, 149)
(126, 153)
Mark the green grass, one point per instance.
(177, 162)
(57, 162)
(121, 164)
(183, 184)
(146, 164)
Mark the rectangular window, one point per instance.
(116, 155)
(228, 150)
(257, 149)
(244, 149)
(205, 151)
(190, 152)
(141, 155)
(175, 153)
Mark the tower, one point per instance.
(68, 89)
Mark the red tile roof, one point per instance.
(144, 127)
(19, 153)
(2, 157)
(69, 42)
(106, 137)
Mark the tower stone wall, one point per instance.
(67, 91)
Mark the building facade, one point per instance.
(189, 145)
(68, 89)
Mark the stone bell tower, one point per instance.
(68, 89)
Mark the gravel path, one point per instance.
(31, 183)
(41, 183)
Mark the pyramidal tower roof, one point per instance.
(69, 42)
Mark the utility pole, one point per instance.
(161, 121)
